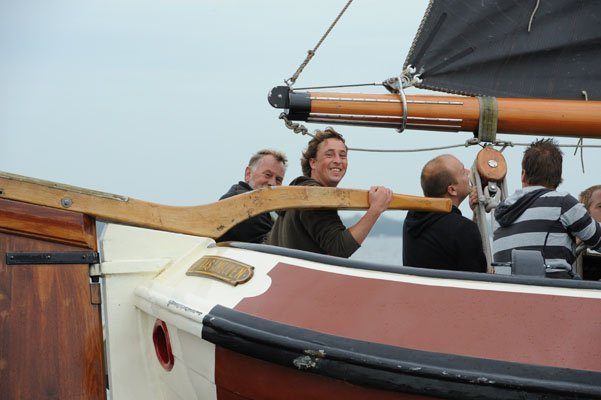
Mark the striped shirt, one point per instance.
(549, 223)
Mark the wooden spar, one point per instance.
(211, 220)
(570, 118)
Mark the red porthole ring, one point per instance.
(162, 345)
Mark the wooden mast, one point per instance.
(569, 118)
(211, 220)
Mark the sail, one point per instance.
(510, 48)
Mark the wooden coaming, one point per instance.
(47, 224)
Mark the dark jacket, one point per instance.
(442, 241)
(253, 230)
(319, 231)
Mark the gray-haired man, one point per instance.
(265, 168)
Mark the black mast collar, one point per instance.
(298, 104)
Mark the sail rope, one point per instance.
(310, 53)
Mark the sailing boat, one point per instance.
(184, 318)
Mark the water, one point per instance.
(381, 249)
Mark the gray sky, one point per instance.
(165, 100)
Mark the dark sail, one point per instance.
(484, 47)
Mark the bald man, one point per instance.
(443, 240)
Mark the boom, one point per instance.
(569, 118)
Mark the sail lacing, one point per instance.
(310, 53)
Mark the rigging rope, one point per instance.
(341, 86)
(290, 81)
(466, 144)
(299, 128)
(470, 142)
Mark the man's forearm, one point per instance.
(362, 228)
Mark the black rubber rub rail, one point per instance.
(392, 368)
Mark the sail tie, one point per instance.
(488, 121)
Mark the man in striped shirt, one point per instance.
(537, 217)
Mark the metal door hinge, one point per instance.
(65, 257)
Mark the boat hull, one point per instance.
(312, 326)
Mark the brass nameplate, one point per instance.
(224, 269)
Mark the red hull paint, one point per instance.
(526, 328)
(240, 377)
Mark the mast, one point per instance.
(520, 116)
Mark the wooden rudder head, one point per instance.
(491, 164)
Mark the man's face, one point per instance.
(595, 207)
(462, 177)
(329, 165)
(267, 172)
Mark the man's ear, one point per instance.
(523, 178)
(451, 190)
(247, 174)
(312, 163)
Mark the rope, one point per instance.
(299, 128)
(468, 143)
(311, 53)
(532, 16)
(580, 145)
(340, 86)
(409, 150)
(565, 145)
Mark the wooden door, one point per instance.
(50, 322)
